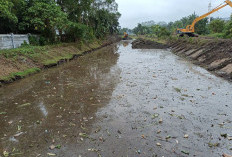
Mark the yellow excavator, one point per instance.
(190, 29)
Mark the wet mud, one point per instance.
(118, 101)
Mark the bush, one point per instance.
(217, 26)
(76, 31)
(33, 40)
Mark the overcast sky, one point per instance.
(136, 11)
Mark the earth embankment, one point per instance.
(21, 62)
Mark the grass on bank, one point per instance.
(42, 56)
(21, 74)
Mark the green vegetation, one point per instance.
(60, 20)
(20, 74)
(216, 28)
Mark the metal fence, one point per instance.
(8, 41)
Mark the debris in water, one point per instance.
(178, 90)
(224, 135)
(156, 115)
(24, 105)
(226, 155)
(161, 120)
(213, 144)
(51, 154)
(2, 113)
(58, 146)
(19, 127)
(18, 134)
(52, 147)
(138, 151)
(167, 137)
(158, 144)
(83, 135)
(186, 136)
(5, 153)
(185, 152)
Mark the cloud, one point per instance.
(136, 11)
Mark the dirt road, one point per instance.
(118, 102)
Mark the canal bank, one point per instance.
(21, 62)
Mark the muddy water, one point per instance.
(118, 102)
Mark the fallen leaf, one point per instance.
(24, 105)
(185, 152)
(52, 147)
(2, 113)
(186, 136)
(226, 155)
(6, 154)
(224, 135)
(18, 134)
(83, 135)
(58, 146)
(155, 115)
(167, 137)
(213, 144)
(51, 154)
(158, 144)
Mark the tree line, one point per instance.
(60, 20)
(216, 27)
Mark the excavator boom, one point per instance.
(190, 29)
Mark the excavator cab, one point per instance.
(125, 36)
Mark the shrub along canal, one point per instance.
(118, 101)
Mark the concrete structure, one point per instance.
(8, 41)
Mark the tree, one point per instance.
(217, 26)
(228, 29)
(45, 17)
(7, 17)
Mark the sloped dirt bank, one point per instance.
(213, 54)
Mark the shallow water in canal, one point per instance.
(118, 102)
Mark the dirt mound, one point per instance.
(147, 44)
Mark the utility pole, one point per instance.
(209, 9)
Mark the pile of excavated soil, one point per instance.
(214, 55)
(147, 44)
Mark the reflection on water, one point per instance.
(43, 109)
(125, 43)
(60, 98)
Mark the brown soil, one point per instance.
(147, 44)
(213, 54)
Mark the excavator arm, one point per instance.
(190, 29)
